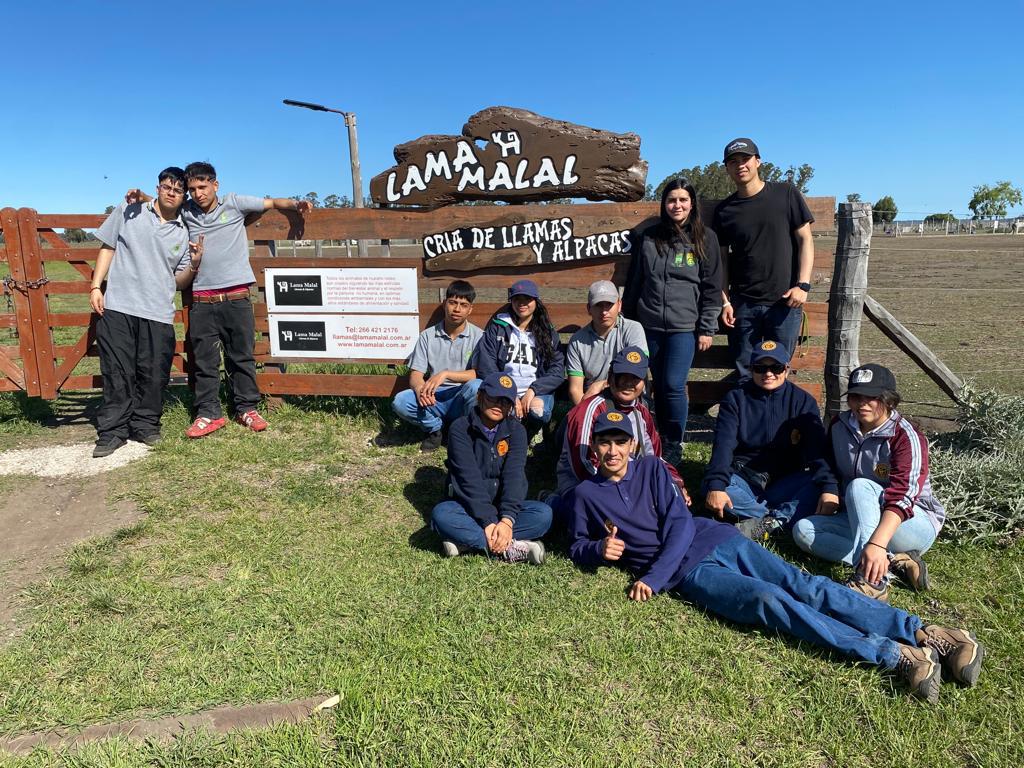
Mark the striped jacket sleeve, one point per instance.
(908, 470)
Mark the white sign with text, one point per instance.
(359, 337)
(342, 289)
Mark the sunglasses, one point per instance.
(776, 368)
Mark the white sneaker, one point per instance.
(519, 551)
(451, 549)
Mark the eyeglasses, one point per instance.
(172, 190)
(776, 368)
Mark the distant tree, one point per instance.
(75, 235)
(940, 218)
(336, 201)
(109, 210)
(884, 211)
(650, 194)
(853, 197)
(992, 202)
(712, 182)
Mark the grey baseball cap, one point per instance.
(602, 290)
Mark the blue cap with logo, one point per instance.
(774, 350)
(630, 360)
(524, 288)
(613, 421)
(499, 384)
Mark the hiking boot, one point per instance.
(252, 420)
(107, 447)
(759, 529)
(519, 551)
(959, 651)
(204, 425)
(909, 568)
(451, 549)
(920, 668)
(859, 584)
(431, 442)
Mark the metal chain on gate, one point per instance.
(11, 285)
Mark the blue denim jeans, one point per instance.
(743, 582)
(840, 538)
(671, 358)
(453, 523)
(788, 498)
(757, 322)
(449, 406)
(470, 389)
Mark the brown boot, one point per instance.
(959, 650)
(909, 568)
(859, 584)
(921, 669)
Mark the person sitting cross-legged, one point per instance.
(767, 435)
(486, 509)
(631, 514)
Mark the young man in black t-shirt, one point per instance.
(764, 229)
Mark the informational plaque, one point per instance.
(360, 337)
(337, 290)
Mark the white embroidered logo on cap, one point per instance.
(863, 377)
(737, 145)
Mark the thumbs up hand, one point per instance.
(612, 547)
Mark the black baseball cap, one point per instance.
(613, 421)
(871, 380)
(630, 360)
(740, 146)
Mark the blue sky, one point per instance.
(920, 101)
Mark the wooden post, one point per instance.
(846, 301)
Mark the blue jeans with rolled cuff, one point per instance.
(742, 581)
(453, 523)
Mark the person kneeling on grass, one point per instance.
(767, 435)
(487, 508)
(632, 514)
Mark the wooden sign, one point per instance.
(513, 155)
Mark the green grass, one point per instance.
(281, 565)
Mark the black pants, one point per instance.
(226, 325)
(135, 360)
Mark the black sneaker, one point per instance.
(759, 529)
(431, 442)
(107, 447)
(150, 439)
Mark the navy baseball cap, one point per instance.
(871, 380)
(524, 288)
(499, 384)
(740, 146)
(613, 421)
(630, 360)
(773, 349)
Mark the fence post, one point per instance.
(846, 301)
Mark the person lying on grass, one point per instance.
(632, 514)
(486, 508)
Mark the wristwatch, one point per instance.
(803, 286)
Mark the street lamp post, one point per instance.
(353, 151)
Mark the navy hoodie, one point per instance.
(775, 433)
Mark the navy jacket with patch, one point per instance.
(491, 354)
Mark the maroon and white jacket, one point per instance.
(578, 460)
(894, 455)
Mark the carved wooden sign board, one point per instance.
(507, 155)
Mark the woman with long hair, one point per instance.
(521, 341)
(674, 290)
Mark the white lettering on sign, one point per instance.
(503, 176)
(340, 337)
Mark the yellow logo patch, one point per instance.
(882, 470)
(768, 346)
(502, 447)
(615, 417)
(505, 381)
(633, 357)
(794, 436)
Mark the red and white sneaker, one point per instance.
(252, 420)
(203, 426)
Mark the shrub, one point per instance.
(978, 471)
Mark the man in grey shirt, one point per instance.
(436, 396)
(593, 346)
(146, 256)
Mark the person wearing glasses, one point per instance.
(487, 509)
(878, 512)
(767, 436)
(145, 257)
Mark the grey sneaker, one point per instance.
(959, 650)
(106, 448)
(921, 670)
(451, 549)
(519, 551)
(759, 529)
